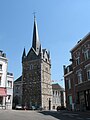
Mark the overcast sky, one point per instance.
(61, 24)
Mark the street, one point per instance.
(42, 115)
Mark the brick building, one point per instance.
(77, 76)
(36, 75)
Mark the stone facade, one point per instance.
(36, 75)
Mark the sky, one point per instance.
(61, 24)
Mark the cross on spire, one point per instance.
(34, 14)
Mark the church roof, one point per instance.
(18, 79)
(36, 42)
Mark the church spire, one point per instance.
(36, 42)
(24, 54)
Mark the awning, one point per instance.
(3, 92)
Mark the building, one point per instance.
(6, 83)
(77, 76)
(58, 98)
(17, 90)
(36, 75)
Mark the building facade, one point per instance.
(58, 98)
(17, 92)
(6, 83)
(77, 76)
(36, 75)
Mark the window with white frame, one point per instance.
(79, 76)
(88, 74)
(87, 54)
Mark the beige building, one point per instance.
(58, 98)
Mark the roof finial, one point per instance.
(34, 14)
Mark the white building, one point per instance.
(6, 83)
(58, 98)
(9, 97)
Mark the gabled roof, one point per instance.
(57, 87)
(18, 79)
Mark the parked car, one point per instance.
(61, 108)
(18, 107)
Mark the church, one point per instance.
(35, 81)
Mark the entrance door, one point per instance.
(49, 104)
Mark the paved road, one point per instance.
(43, 115)
(24, 115)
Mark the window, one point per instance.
(77, 60)
(0, 66)
(87, 54)
(69, 84)
(1, 100)
(0, 80)
(17, 89)
(70, 99)
(88, 74)
(53, 93)
(56, 92)
(10, 84)
(31, 67)
(79, 76)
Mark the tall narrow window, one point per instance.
(68, 83)
(79, 76)
(0, 66)
(77, 60)
(1, 100)
(31, 67)
(0, 80)
(70, 99)
(87, 54)
(10, 84)
(88, 74)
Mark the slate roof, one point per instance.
(57, 87)
(18, 79)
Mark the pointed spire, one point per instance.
(24, 54)
(36, 42)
